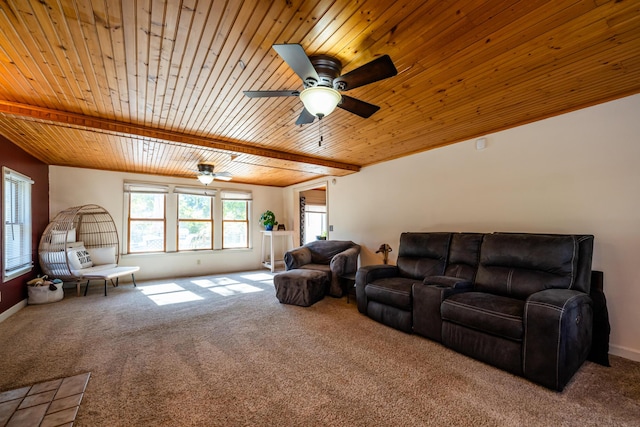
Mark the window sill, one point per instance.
(186, 253)
(16, 274)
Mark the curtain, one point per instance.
(303, 203)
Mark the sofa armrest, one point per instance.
(427, 299)
(368, 274)
(448, 282)
(296, 258)
(558, 327)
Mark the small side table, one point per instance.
(271, 263)
(348, 282)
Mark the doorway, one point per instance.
(313, 214)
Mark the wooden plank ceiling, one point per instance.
(155, 86)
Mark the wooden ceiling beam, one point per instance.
(113, 126)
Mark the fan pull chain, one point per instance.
(320, 129)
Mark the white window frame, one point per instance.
(247, 222)
(171, 213)
(144, 188)
(16, 217)
(195, 192)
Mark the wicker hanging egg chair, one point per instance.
(90, 226)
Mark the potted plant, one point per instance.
(268, 219)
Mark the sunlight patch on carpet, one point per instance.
(258, 277)
(161, 289)
(238, 288)
(169, 293)
(174, 293)
(218, 281)
(174, 297)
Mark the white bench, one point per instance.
(103, 272)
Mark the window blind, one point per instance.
(236, 195)
(142, 187)
(17, 224)
(196, 191)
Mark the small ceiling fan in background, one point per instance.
(323, 83)
(206, 174)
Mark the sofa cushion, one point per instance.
(392, 291)
(493, 314)
(423, 254)
(390, 316)
(419, 268)
(518, 265)
(424, 245)
(464, 254)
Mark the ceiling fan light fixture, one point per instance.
(320, 100)
(205, 179)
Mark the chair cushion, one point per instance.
(393, 291)
(318, 267)
(79, 258)
(322, 251)
(101, 256)
(493, 314)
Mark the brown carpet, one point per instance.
(236, 356)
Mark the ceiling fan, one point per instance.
(206, 174)
(323, 83)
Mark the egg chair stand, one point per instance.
(81, 243)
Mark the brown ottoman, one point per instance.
(300, 286)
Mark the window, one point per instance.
(146, 222)
(201, 218)
(195, 222)
(235, 220)
(17, 220)
(315, 221)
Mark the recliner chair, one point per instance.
(335, 257)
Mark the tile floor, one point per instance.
(49, 404)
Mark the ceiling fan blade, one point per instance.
(376, 70)
(356, 106)
(296, 58)
(305, 117)
(270, 93)
(222, 176)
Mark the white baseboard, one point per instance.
(13, 310)
(627, 353)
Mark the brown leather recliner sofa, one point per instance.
(517, 301)
(335, 257)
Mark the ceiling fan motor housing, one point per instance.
(205, 169)
(327, 67)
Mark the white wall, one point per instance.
(576, 173)
(74, 186)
